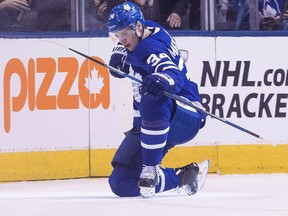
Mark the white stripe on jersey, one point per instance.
(162, 177)
(153, 146)
(169, 67)
(155, 132)
(163, 64)
(137, 113)
(181, 64)
(196, 103)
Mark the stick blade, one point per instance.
(268, 141)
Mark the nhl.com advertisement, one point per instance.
(52, 98)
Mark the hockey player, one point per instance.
(159, 123)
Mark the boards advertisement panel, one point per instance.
(55, 100)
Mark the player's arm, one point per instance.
(165, 77)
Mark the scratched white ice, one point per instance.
(262, 194)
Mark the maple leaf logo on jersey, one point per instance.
(96, 82)
(136, 86)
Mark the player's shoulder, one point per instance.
(158, 32)
(152, 24)
(154, 42)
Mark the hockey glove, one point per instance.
(156, 84)
(118, 60)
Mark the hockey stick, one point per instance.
(173, 96)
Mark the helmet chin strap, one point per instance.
(139, 34)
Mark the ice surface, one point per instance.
(233, 195)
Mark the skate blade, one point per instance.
(147, 192)
(203, 171)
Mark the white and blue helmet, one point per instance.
(124, 15)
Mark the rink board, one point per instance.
(62, 116)
(241, 159)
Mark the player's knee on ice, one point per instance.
(123, 182)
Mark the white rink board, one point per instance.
(257, 98)
(78, 127)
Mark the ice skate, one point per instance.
(192, 176)
(148, 181)
(188, 178)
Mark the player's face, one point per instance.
(128, 38)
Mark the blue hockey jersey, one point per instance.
(271, 8)
(150, 56)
